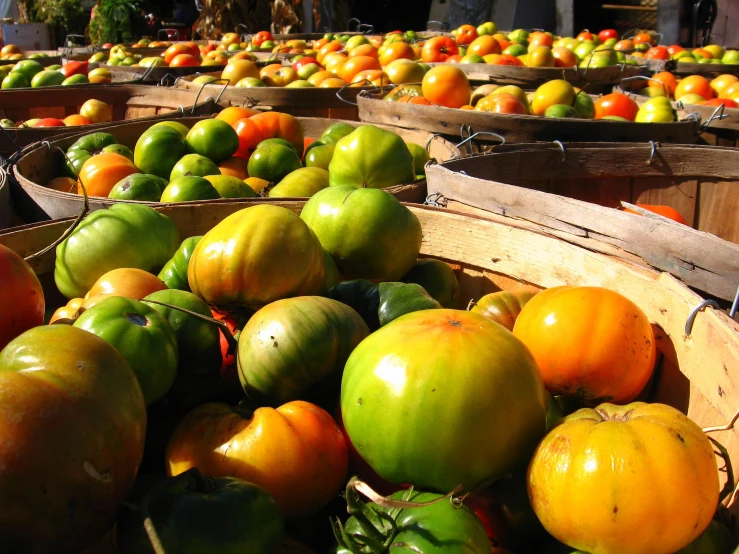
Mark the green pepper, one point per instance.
(195, 514)
(397, 299)
(83, 149)
(174, 272)
(124, 235)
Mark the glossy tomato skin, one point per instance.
(291, 346)
(438, 279)
(438, 49)
(174, 272)
(409, 416)
(598, 476)
(239, 262)
(616, 104)
(296, 452)
(439, 528)
(196, 514)
(502, 307)
(21, 297)
(589, 342)
(72, 424)
(141, 335)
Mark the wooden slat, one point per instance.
(719, 208)
(678, 193)
(607, 192)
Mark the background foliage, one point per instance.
(115, 21)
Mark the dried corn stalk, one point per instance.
(247, 16)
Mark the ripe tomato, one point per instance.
(261, 37)
(250, 135)
(643, 37)
(439, 49)
(447, 86)
(665, 211)
(605, 34)
(503, 307)
(184, 60)
(466, 34)
(726, 102)
(588, 342)
(296, 452)
(484, 45)
(598, 475)
(658, 53)
(180, 48)
(667, 79)
(502, 102)
(357, 64)
(21, 297)
(395, 51)
(280, 125)
(129, 282)
(616, 104)
(694, 84)
(101, 172)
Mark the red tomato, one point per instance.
(75, 68)
(438, 49)
(616, 104)
(249, 135)
(261, 37)
(727, 102)
(21, 297)
(643, 37)
(658, 53)
(304, 61)
(605, 34)
(466, 34)
(184, 60)
(585, 35)
(674, 49)
(50, 122)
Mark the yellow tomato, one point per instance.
(97, 111)
(553, 92)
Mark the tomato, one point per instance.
(297, 346)
(599, 475)
(616, 104)
(447, 86)
(356, 65)
(296, 452)
(643, 38)
(158, 150)
(97, 111)
(503, 307)
(556, 91)
(721, 82)
(656, 110)
(409, 417)
(83, 149)
(124, 235)
(198, 342)
(280, 125)
(250, 135)
(395, 51)
(177, 49)
(438, 279)
(233, 113)
(238, 69)
(76, 119)
(141, 335)
(694, 84)
(238, 262)
(391, 238)
(466, 34)
(398, 299)
(658, 53)
(174, 272)
(605, 34)
(416, 529)
(589, 342)
(213, 138)
(261, 37)
(72, 425)
(501, 102)
(21, 297)
(128, 282)
(668, 80)
(665, 211)
(229, 371)
(198, 514)
(185, 60)
(49, 122)
(361, 295)
(726, 102)
(439, 49)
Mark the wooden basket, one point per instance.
(331, 103)
(522, 128)
(598, 80)
(573, 192)
(35, 202)
(156, 74)
(52, 58)
(130, 102)
(698, 371)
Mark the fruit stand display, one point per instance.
(42, 114)
(577, 191)
(41, 195)
(695, 374)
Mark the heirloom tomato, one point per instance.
(438, 279)
(435, 383)
(174, 272)
(280, 125)
(589, 342)
(502, 307)
(72, 425)
(21, 297)
(296, 452)
(239, 262)
(602, 473)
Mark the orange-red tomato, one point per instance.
(184, 60)
(261, 37)
(180, 48)
(357, 64)
(507, 59)
(21, 297)
(616, 104)
(280, 125)
(658, 53)
(232, 114)
(694, 84)
(667, 79)
(484, 45)
(589, 342)
(250, 135)
(128, 281)
(446, 85)
(439, 49)
(503, 102)
(100, 173)
(643, 37)
(296, 452)
(726, 102)
(395, 51)
(466, 34)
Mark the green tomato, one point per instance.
(437, 528)
(273, 162)
(585, 105)
(139, 186)
(198, 341)
(390, 240)
(438, 279)
(124, 235)
(158, 150)
(193, 165)
(142, 336)
(336, 131)
(121, 149)
(83, 149)
(319, 156)
(296, 346)
(370, 157)
(174, 272)
(195, 514)
(397, 299)
(420, 157)
(214, 139)
(410, 416)
(656, 110)
(305, 181)
(183, 189)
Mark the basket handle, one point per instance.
(643, 78)
(225, 83)
(145, 75)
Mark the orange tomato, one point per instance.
(694, 84)
(332, 82)
(250, 135)
(466, 34)
(588, 342)
(128, 281)
(502, 102)
(280, 125)
(100, 173)
(643, 37)
(666, 211)
(626, 45)
(333, 46)
(356, 64)
(658, 53)
(236, 70)
(506, 59)
(726, 102)
(376, 77)
(564, 57)
(484, 45)
(184, 60)
(447, 86)
(364, 50)
(296, 452)
(616, 104)
(439, 49)
(77, 119)
(722, 81)
(414, 100)
(233, 113)
(21, 296)
(667, 79)
(177, 49)
(540, 39)
(234, 167)
(703, 53)
(62, 184)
